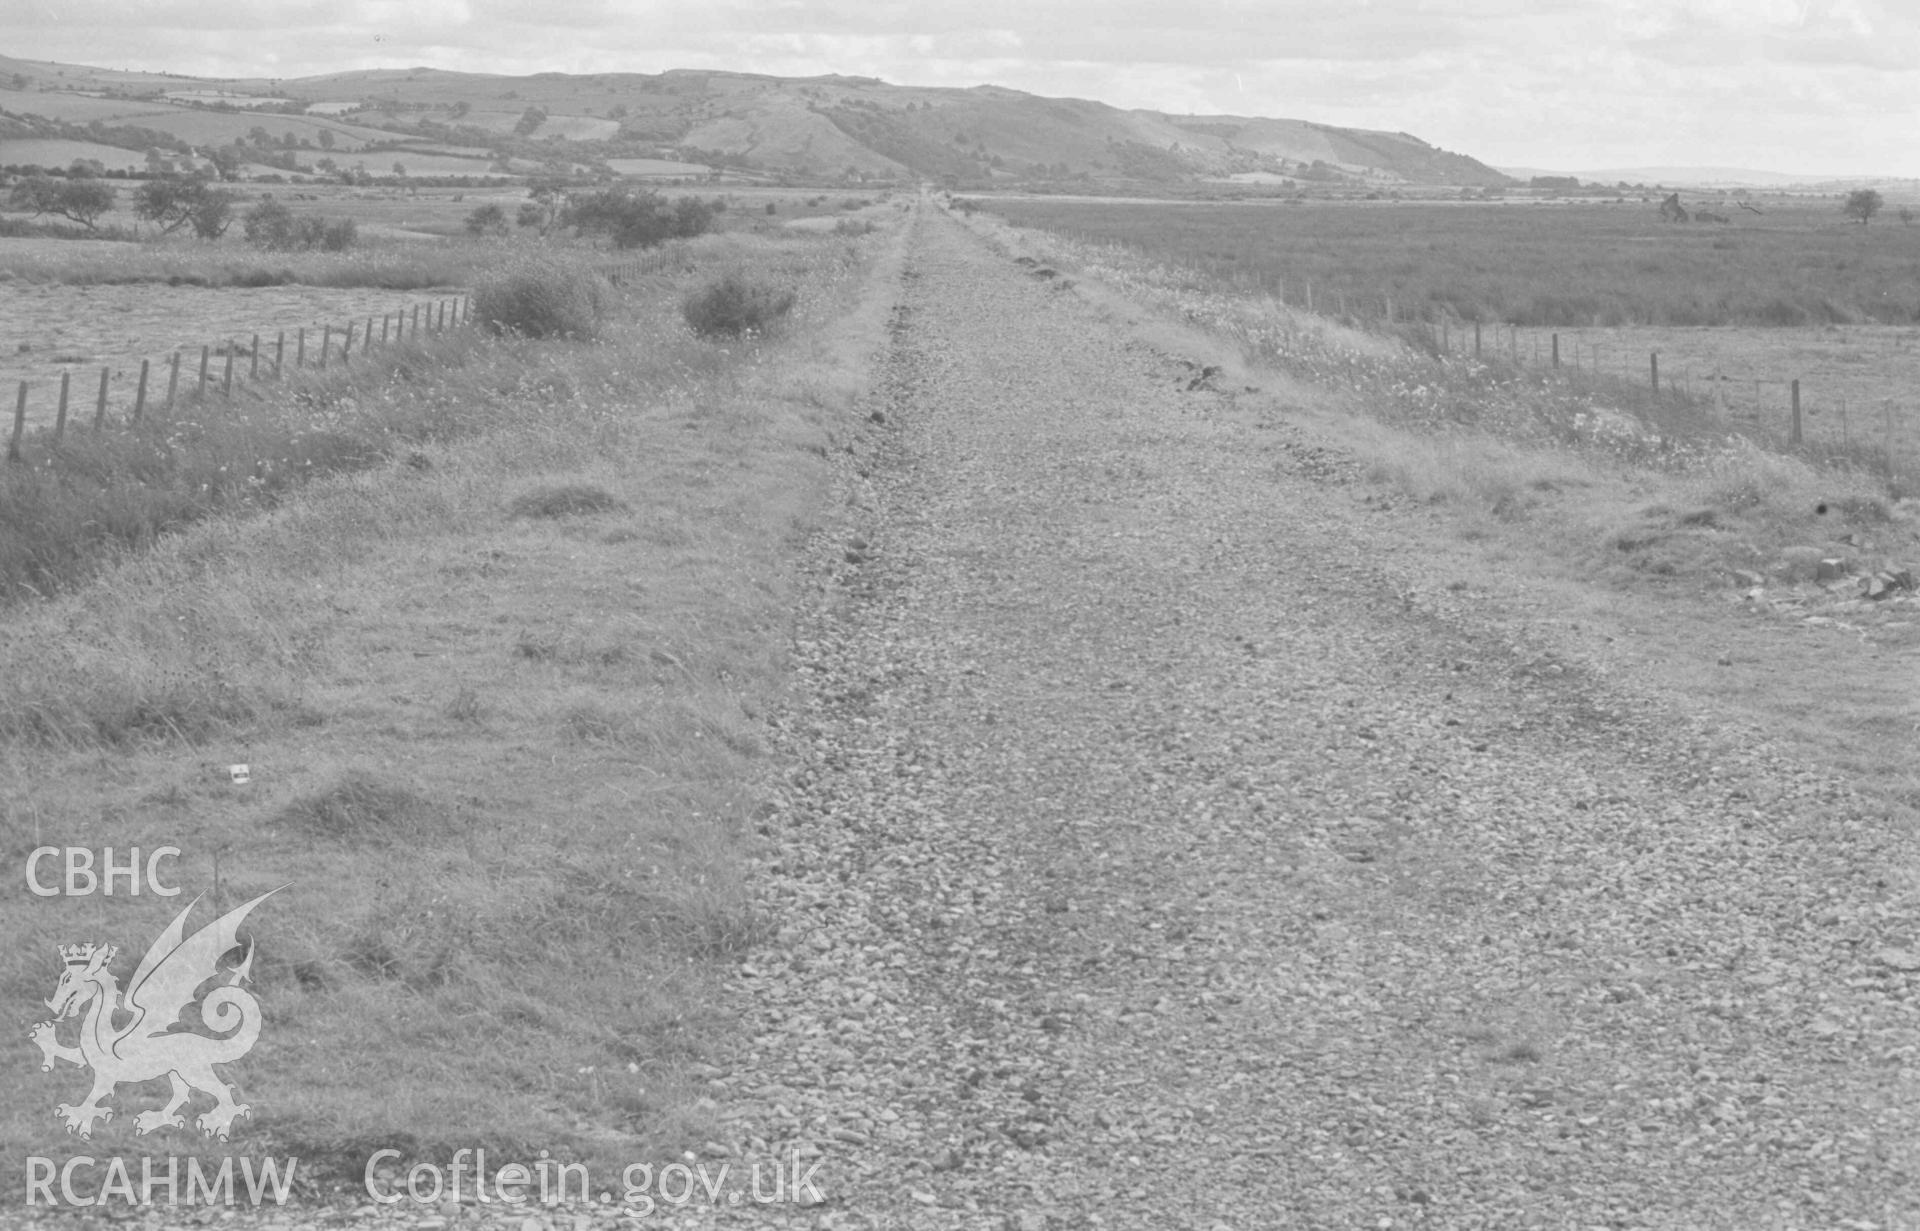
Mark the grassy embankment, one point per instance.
(497, 685)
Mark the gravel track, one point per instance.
(1162, 842)
(1165, 849)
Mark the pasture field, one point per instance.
(52, 152)
(50, 328)
(195, 124)
(1541, 265)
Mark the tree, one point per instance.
(326, 138)
(213, 213)
(81, 200)
(226, 160)
(1862, 203)
(400, 169)
(530, 119)
(1906, 215)
(174, 201)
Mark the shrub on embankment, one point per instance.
(542, 295)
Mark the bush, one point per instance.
(268, 225)
(488, 219)
(639, 220)
(338, 235)
(273, 226)
(542, 298)
(733, 306)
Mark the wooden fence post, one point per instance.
(346, 343)
(173, 381)
(300, 349)
(1309, 294)
(416, 321)
(205, 352)
(19, 424)
(1556, 350)
(139, 397)
(253, 362)
(383, 329)
(1653, 361)
(1446, 337)
(226, 379)
(279, 353)
(1794, 433)
(100, 405)
(1476, 338)
(326, 344)
(60, 416)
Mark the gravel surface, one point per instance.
(1163, 844)
(1166, 849)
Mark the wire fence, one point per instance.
(1820, 409)
(225, 365)
(1838, 405)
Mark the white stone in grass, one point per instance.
(1898, 959)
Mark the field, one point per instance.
(1537, 264)
(49, 328)
(195, 124)
(48, 152)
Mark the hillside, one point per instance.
(816, 127)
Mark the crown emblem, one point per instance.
(81, 955)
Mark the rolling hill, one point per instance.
(816, 127)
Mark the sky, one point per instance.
(1817, 87)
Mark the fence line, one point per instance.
(1458, 337)
(460, 308)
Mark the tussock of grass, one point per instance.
(363, 807)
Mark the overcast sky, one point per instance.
(1812, 86)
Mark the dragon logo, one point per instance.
(152, 1041)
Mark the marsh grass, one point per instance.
(1586, 265)
(512, 878)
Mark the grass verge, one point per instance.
(498, 697)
